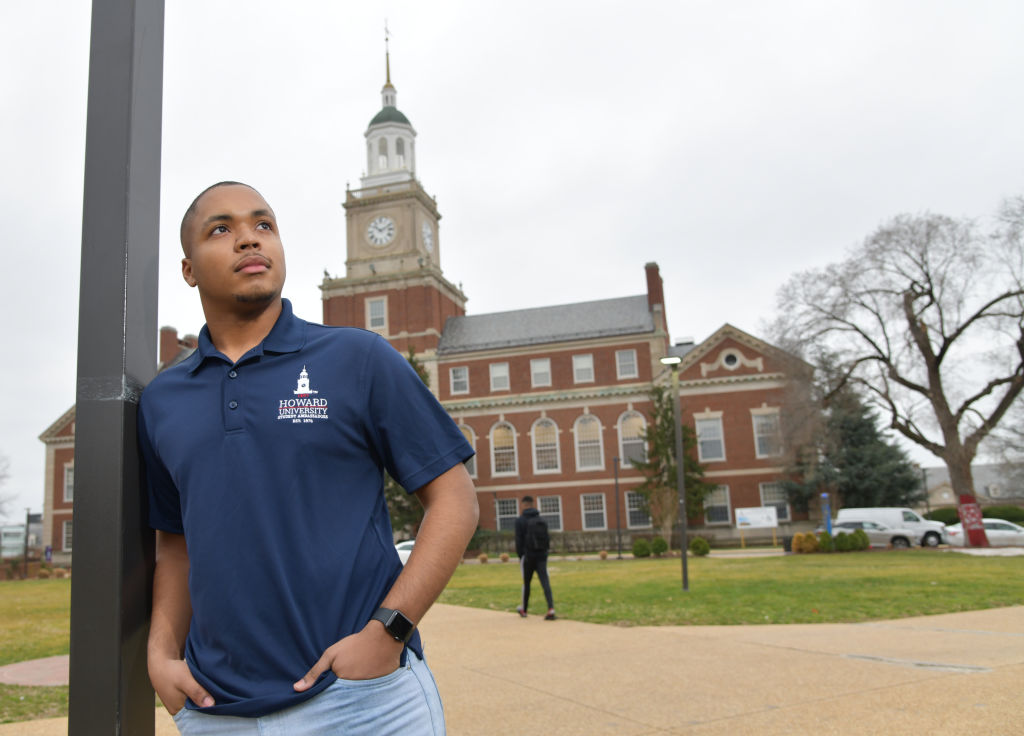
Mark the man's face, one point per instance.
(233, 251)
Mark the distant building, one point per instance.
(993, 485)
(12, 538)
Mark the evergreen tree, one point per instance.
(659, 488)
(404, 508)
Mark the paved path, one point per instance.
(499, 674)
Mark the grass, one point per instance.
(777, 590)
(35, 619)
(19, 703)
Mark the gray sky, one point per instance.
(567, 143)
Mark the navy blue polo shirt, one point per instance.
(272, 468)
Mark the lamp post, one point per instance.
(618, 519)
(673, 362)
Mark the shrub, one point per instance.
(809, 543)
(699, 546)
(641, 548)
(504, 557)
(1005, 512)
(946, 516)
(796, 544)
(826, 543)
(843, 542)
(860, 539)
(659, 546)
(603, 554)
(43, 573)
(483, 558)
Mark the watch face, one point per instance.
(428, 237)
(381, 230)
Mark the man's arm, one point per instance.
(172, 611)
(450, 518)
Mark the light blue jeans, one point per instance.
(405, 702)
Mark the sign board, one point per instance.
(759, 517)
(970, 518)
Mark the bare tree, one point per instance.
(926, 317)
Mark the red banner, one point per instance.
(970, 518)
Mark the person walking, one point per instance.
(532, 545)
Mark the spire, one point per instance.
(388, 93)
(387, 54)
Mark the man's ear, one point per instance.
(186, 272)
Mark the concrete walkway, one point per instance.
(499, 674)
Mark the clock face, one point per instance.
(381, 230)
(428, 237)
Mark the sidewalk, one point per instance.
(500, 674)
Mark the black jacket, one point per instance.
(521, 529)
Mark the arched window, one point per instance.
(400, 154)
(470, 436)
(631, 438)
(589, 454)
(382, 154)
(503, 449)
(545, 446)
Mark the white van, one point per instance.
(928, 533)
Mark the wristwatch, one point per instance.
(396, 623)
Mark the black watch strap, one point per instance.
(396, 623)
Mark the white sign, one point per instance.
(759, 517)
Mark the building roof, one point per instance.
(390, 114)
(585, 320)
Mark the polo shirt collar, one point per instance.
(287, 336)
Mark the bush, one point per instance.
(843, 542)
(1005, 512)
(860, 539)
(641, 548)
(603, 554)
(826, 543)
(504, 557)
(699, 546)
(659, 546)
(809, 543)
(483, 558)
(796, 544)
(946, 516)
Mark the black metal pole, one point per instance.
(24, 556)
(117, 332)
(618, 518)
(680, 472)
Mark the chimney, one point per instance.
(169, 346)
(656, 293)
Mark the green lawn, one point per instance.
(818, 588)
(35, 618)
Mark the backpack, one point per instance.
(537, 540)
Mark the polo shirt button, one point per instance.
(233, 374)
(233, 405)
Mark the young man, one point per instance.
(532, 544)
(279, 603)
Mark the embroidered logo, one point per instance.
(305, 408)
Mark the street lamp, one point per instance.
(673, 362)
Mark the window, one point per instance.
(631, 438)
(459, 379)
(545, 446)
(540, 372)
(767, 439)
(589, 455)
(716, 507)
(377, 314)
(583, 368)
(400, 154)
(503, 449)
(66, 541)
(592, 505)
(637, 514)
(470, 464)
(550, 508)
(499, 377)
(773, 494)
(710, 445)
(625, 363)
(382, 154)
(506, 510)
(69, 482)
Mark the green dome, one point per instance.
(390, 115)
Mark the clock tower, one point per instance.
(393, 283)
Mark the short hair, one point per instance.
(186, 219)
(527, 499)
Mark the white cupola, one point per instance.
(390, 139)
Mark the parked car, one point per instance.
(879, 535)
(404, 549)
(1000, 533)
(926, 533)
